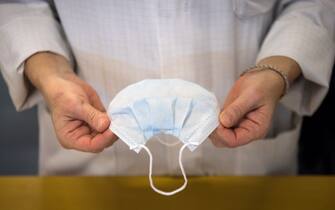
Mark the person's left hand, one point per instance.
(248, 109)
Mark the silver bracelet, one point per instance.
(282, 74)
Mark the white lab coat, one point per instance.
(113, 43)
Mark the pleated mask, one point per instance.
(169, 106)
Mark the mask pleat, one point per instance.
(142, 113)
(182, 110)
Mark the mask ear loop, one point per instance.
(181, 168)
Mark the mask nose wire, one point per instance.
(167, 193)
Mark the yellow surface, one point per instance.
(224, 193)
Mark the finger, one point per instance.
(94, 98)
(98, 143)
(227, 137)
(108, 138)
(224, 137)
(262, 115)
(78, 132)
(235, 111)
(246, 131)
(73, 130)
(216, 139)
(98, 120)
(249, 130)
(96, 101)
(258, 121)
(229, 99)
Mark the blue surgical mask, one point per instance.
(170, 106)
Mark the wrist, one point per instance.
(44, 67)
(272, 69)
(287, 65)
(269, 83)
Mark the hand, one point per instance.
(78, 116)
(248, 109)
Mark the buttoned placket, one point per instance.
(165, 12)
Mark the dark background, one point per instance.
(317, 138)
(19, 138)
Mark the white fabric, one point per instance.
(170, 106)
(175, 107)
(116, 43)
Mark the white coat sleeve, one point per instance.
(25, 29)
(304, 30)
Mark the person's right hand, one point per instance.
(78, 115)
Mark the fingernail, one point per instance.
(222, 118)
(221, 115)
(102, 124)
(99, 125)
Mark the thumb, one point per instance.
(235, 111)
(97, 120)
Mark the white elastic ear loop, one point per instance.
(181, 168)
(167, 144)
